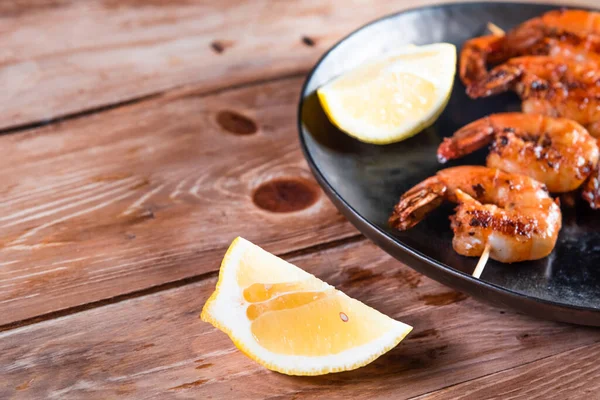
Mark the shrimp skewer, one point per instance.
(570, 33)
(550, 86)
(478, 53)
(558, 152)
(555, 87)
(482, 261)
(512, 214)
(531, 75)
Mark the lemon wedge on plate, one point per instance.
(394, 97)
(291, 322)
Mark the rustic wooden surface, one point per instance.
(140, 137)
(167, 171)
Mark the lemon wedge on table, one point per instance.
(394, 97)
(291, 322)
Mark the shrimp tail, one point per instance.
(415, 204)
(499, 79)
(473, 57)
(466, 140)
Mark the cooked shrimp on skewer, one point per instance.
(558, 152)
(572, 33)
(478, 53)
(512, 214)
(531, 75)
(576, 104)
(586, 49)
(579, 22)
(551, 86)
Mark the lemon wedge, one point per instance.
(394, 97)
(291, 322)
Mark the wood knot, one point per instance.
(219, 46)
(236, 123)
(286, 195)
(310, 42)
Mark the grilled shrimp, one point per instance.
(571, 33)
(551, 86)
(474, 57)
(555, 151)
(556, 23)
(482, 51)
(513, 214)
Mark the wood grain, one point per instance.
(152, 193)
(570, 375)
(155, 346)
(64, 57)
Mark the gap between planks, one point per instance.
(168, 94)
(316, 248)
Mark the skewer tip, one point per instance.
(482, 261)
(495, 29)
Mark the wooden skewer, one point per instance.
(495, 29)
(482, 261)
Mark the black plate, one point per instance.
(365, 181)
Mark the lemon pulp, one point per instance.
(392, 98)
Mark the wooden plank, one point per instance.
(152, 193)
(68, 56)
(156, 345)
(569, 375)
(63, 57)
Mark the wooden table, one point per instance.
(139, 138)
